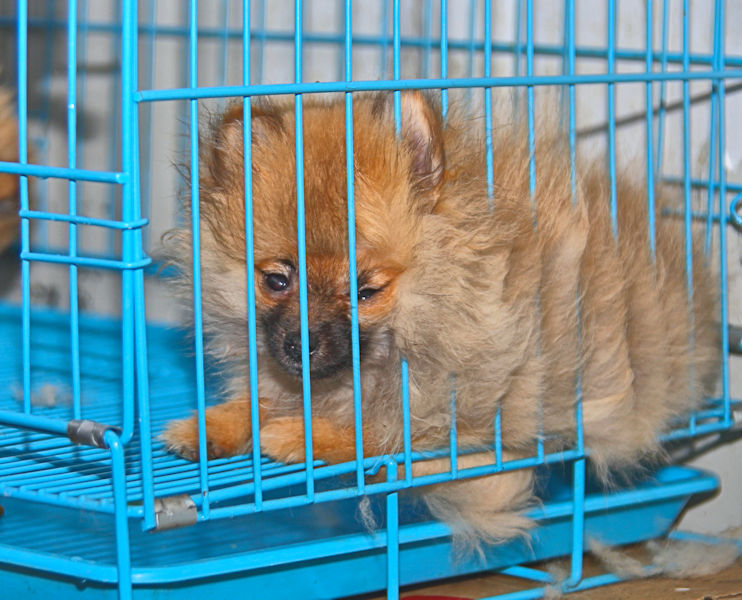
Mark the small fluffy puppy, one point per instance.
(8, 183)
(471, 290)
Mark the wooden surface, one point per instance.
(725, 585)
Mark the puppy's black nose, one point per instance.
(292, 345)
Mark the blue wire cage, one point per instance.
(107, 93)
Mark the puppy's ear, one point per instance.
(265, 121)
(421, 131)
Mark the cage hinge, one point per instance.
(89, 433)
(175, 511)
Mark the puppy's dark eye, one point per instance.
(276, 281)
(366, 293)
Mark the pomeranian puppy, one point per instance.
(476, 293)
(8, 182)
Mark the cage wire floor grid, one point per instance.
(266, 551)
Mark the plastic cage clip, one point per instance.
(89, 433)
(175, 511)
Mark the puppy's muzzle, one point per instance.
(329, 349)
(292, 346)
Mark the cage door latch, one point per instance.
(89, 433)
(175, 511)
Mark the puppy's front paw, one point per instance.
(228, 431)
(181, 437)
(282, 439)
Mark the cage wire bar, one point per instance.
(197, 288)
(122, 472)
(250, 259)
(352, 268)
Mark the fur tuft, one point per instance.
(669, 558)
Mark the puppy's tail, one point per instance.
(481, 510)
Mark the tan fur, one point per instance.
(486, 290)
(8, 183)
(331, 441)
(228, 426)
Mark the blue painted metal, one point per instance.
(471, 25)
(567, 41)
(333, 39)
(705, 539)
(529, 573)
(713, 133)
(648, 107)
(396, 66)
(453, 435)
(322, 87)
(611, 60)
(115, 137)
(224, 41)
(702, 183)
(735, 210)
(444, 56)
(183, 75)
(578, 497)
(569, 10)
(392, 535)
(352, 267)
(663, 69)
(148, 79)
(81, 220)
(196, 258)
(427, 28)
(81, 78)
(687, 208)
(25, 169)
(488, 99)
(383, 40)
(406, 426)
(123, 554)
(302, 250)
(86, 261)
(249, 262)
(33, 422)
(531, 105)
(723, 267)
(130, 240)
(518, 49)
(44, 111)
(498, 438)
(133, 242)
(261, 36)
(25, 231)
(579, 467)
(687, 158)
(126, 363)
